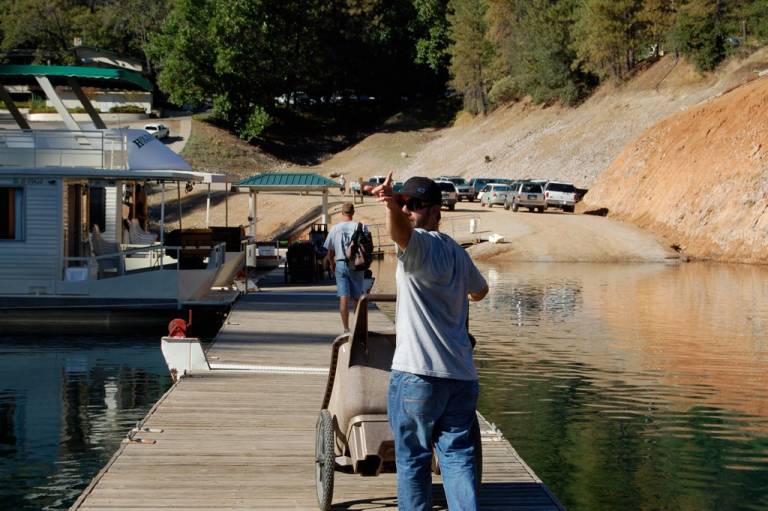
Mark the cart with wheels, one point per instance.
(352, 433)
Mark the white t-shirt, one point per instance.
(434, 276)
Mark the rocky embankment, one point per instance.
(699, 178)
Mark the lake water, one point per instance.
(625, 387)
(630, 387)
(65, 405)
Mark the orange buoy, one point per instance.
(177, 328)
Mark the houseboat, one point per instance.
(74, 248)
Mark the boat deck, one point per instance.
(244, 439)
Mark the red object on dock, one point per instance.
(177, 328)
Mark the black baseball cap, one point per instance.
(422, 188)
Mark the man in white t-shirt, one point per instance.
(433, 388)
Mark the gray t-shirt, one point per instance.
(339, 237)
(434, 277)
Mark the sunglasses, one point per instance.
(414, 204)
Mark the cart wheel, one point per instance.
(324, 460)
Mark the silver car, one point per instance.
(527, 195)
(496, 194)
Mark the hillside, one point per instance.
(554, 142)
(699, 178)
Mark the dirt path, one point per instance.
(551, 236)
(561, 237)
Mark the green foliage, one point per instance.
(432, 41)
(257, 122)
(126, 109)
(506, 90)
(471, 53)
(50, 26)
(699, 33)
(547, 61)
(607, 36)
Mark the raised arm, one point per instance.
(398, 223)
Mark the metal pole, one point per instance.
(251, 214)
(226, 204)
(324, 216)
(178, 197)
(162, 212)
(208, 207)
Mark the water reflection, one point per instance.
(65, 405)
(629, 386)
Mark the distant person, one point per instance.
(343, 185)
(433, 387)
(349, 282)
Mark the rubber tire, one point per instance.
(506, 205)
(451, 207)
(324, 460)
(540, 209)
(515, 207)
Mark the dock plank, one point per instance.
(245, 440)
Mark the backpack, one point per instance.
(359, 252)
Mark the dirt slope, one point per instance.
(525, 140)
(699, 178)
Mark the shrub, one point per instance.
(505, 90)
(257, 122)
(126, 109)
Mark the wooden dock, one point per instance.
(244, 438)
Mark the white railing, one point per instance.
(63, 148)
(114, 264)
(462, 228)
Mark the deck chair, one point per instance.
(139, 236)
(101, 247)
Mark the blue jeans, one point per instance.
(426, 411)
(349, 282)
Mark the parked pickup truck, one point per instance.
(560, 195)
(464, 190)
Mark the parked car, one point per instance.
(560, 195)
(496, 194)
(160, 131)
(450, 194)
(528, 195)
(463, 188)
(478, 183)
(354, 186)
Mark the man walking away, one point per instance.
(433, 387)
(349, 282)
(343, 184)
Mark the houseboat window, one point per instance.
(11, 213)
(97, 213)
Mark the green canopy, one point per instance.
(13, 74)
(287, 181)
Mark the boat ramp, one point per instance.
(241, 435)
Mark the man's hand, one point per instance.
(384, 193)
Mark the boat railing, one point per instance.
(63, 148)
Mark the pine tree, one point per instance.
(608, 36)
(471, 53)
